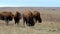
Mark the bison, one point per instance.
(7, 16)
(37, 16)
(17, 17)
(28, 18)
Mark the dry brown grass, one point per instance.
(45, 27)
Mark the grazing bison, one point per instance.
(36, 16)
(17, 17)
(7, 16)
(28, 18)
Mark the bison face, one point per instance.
(17, 17)
(37, 16)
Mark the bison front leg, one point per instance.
(32, 23)
(24, 20)
(6, 20)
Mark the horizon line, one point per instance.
(25, 6)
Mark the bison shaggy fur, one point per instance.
(17, 17)
(28, 18)
(37, 16)
(7, 16)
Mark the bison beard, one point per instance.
(37, 16)
(38, 19)
(29, 21)
(17, 18)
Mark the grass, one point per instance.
(45, 27)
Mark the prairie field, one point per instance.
(50, 21)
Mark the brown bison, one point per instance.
(7, 16)
(37, 16)
(17, 17)
(28, 18)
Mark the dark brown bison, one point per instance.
(7, 16)
(17, 17)
(37, 16)
(28, 18)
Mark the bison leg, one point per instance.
(24, 20)
(17, 21)
(7, 21)
(32, 23)
(28, 22)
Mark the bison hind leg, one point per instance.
(7, 21)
